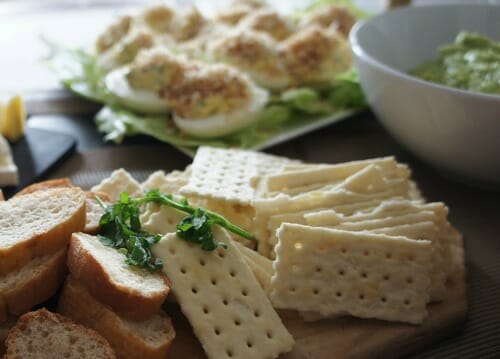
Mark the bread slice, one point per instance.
(34, 283)
(94, 211)
(129, 290)
(38, 223)
(130, 339)
(54, 183)
(43, 334)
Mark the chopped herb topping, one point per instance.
(121, 227)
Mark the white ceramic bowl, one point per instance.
(454, 130)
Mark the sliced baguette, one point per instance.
(94, 211)
(130, 339)
(34, 283)
(38, 223)
(43, 334)
(129, 290)
(54, 183)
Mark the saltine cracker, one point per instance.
(229, 311)
(337, 272)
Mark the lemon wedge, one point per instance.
(12, 119)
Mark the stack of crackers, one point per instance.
(330, 240)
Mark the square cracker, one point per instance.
(227, 308)
(119, 181)
(336, 272)
(317, 176)
(229, 175)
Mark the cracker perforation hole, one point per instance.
(221, 254)
(386, 277)
(388, 255)
(338, 294)
(364, 274)
(409, 280)
(292, 288)
(183, 270)
(341, 272)
(249, 343)
(343, 250)
(202, 262)
(361, 296)
(172, 250)
(256, 313)
(244, 292)
(411, 257)
(232, 273)
(229, 353)
(206, 310)
(194, 290)
(407, 302)
(217, 331)
(237, 322)
(225, 301)
(318, 269)
(315, 291)
(269, 334)
(213, 281)
(383, 299)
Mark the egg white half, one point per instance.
(141, 100)
(223, 124)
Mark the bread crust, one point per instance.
(46, 316)
(94, 211)
(15, 256)
(4, 332)
(54, 183)
(78, 304)
(94, 276)
(36, 289)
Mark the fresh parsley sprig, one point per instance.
(121, 227)
(198, 215)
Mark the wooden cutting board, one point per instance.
(333, 339)
(356, 338)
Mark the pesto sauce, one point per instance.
(472, 63)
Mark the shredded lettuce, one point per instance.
(347, 92)
(77, 71)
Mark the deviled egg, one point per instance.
(139, 85)
(255, 54)
(113, 33)
(157, 17)
(179, 24)
(331, 16)
(215, 100)
(269, 21)
(315, 56)
(236, 10)
(125, 50)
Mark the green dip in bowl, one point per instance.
(472, 63)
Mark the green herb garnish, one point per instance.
(121, 227)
